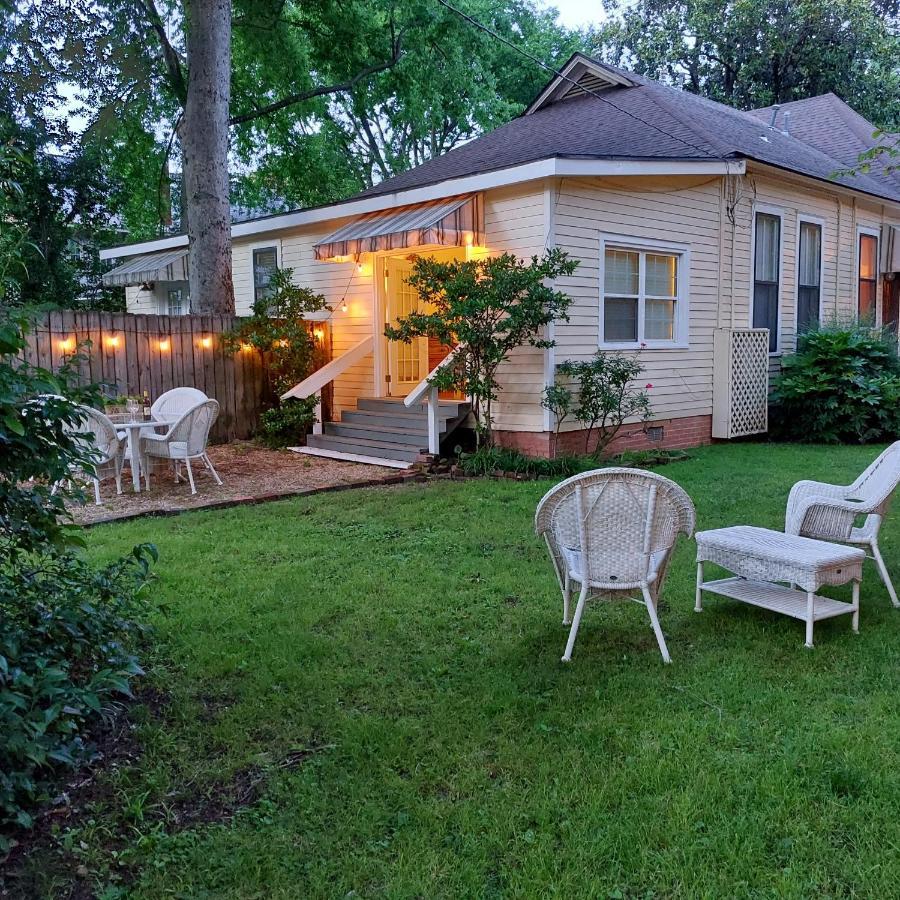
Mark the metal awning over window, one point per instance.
(455, 222)
(170, 265)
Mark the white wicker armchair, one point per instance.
(830, 512)
(107, 449)
(184, 441)
(175, 403)
(612, 531)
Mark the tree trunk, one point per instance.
(204, 142)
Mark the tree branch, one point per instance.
(171, 57)
(302, 96)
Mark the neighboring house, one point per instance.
(695, 225)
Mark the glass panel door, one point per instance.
(407, 363)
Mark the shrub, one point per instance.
(488, 308)
(487, 460)
(287, 424)
(67, 631)
(841, 386)
(604, 397)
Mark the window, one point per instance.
(175, 306)
(809, 274)
(265, 263)
(642, 301)
(766, 275)
(868, 276)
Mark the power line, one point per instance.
(494, 34)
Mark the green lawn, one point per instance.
(374, 677)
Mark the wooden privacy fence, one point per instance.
(130, 354)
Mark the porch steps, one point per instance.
(383, 432)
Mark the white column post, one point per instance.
(317, 425)
(434, 435)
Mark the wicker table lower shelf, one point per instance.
(761, 558)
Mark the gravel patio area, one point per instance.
(249, 472)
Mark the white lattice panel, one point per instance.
(740, 382)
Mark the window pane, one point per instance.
(176, 302)
(807, 307)
(619, 319)
(765, 311)
(659, 320)
(810, 254)
(768, 232)
(868, 254)
(661, 277)
(867, 300)
(265, 262)
(620, 272)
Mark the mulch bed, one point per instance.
(251, 474)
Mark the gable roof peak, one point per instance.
(581, 74)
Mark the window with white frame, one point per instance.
(175, 304)
(868, 276)
(642, 297)
(767, 275)
(809, 274)
(265, 263)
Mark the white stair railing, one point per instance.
(317, 381)
(426, 392)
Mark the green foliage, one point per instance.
(758, 52)
(488, 460)
(487, 307)
(600, 395)
(66, 629)
(288, 423)
(67, 637)
(841, 386)
(278, 329)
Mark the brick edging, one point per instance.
(262, 498)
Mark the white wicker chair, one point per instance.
(184, 441)
(175, 403)
(107, 449)
(830, 512)
(612, 530)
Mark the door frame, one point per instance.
(382, 367)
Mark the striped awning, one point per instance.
(170, 265)
(454, 222)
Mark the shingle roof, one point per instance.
(831, 125)
(649, 121)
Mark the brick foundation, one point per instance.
(678, 434)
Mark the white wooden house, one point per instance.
(706, 238)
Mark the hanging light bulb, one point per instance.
(344, 305)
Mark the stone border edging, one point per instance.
(417, 477)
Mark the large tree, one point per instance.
(751, 53)
(326, 97)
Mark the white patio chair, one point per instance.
(107, 449)
(185, 440)
(175, 403)
(830, 512)
(612, 531)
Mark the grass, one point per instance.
(382, 667)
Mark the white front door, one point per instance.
(407, 363)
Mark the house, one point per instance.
(706, 237)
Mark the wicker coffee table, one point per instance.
(760, 557)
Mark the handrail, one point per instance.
(417, 394)
(330, 371)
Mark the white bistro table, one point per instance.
(133, 426)
(760, 557)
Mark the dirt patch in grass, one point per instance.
(248, 472)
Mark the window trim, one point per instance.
(169, 293)
(875, 233)
(262, 245)
(811, 220)
(682, 299)
(778, 211)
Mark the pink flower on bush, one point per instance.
(648, 385)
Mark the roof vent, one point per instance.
(786, 124)
(775, 108)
